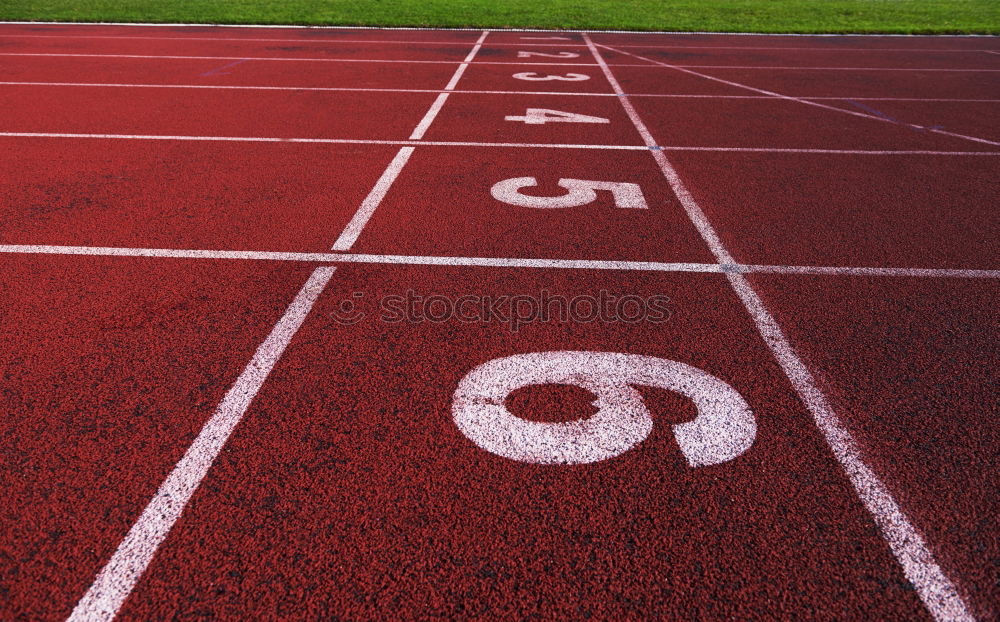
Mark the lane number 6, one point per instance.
(723, 429)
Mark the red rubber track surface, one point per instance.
(423, 520)
(110, 367)
(346, 489)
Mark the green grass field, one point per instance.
(888, 16)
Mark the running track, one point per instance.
(204, 414)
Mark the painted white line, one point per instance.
(794, 67)
(961, 273)
(826, 98)
(435, 108)
(250, 87)
(115, 581)
(373, 200)
(349, 89)
(782, 48)
(362, 258)
(873, 152)
(425, 123)
(311, 59)
(491, 262)
(444, 143)
(333, 141)
(285, 40)
(809, 102)
(649, 46)
(306, 59)
(350, 234)
(935, 589)
(69, 25)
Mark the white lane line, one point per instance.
(432, 113)
(493, 262)
(362, 258)
(936, 590)
(961, 273)
(874, 152)
(835, 50)
(354, 89)
(451, 62)
(794, 67)
(763, 35)
(283, 40)
(115, 581)
(371, 203)
(118, 578)
(350, 234)
(307, 59)
(367, 209)
(334, 141)
(445, 143)
(250, 87)
(466, 43)
(809, 102)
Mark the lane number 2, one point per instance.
(723, 429)
(578, 192)
(531, 76)
(548, 55)
(541, 116)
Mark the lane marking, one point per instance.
(69, 25)
(723, 429)
(451, 62)
(446, 143)
(466, 43)
(808, 102)
(115, 581)
(118, 578)
(492, 262)
(796, 67)
(936, 590)
(478, 92)
(308, 59)
(336, 141)
(367, 209)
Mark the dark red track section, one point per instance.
(347, 490)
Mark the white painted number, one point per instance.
(547, 38)
(546, 55)
(531, 76)
(541, 116)
(723, 429)
(579, 192)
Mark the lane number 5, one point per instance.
(579, 192)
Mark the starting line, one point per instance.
(494, 262)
